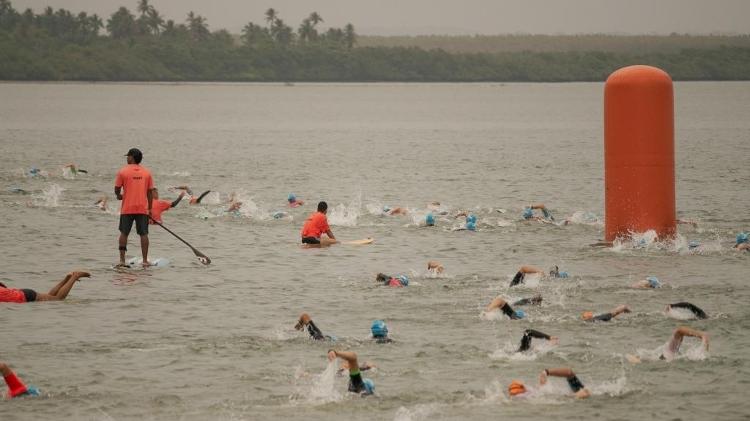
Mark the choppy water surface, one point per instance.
(190, 342)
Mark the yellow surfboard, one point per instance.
(362, 242)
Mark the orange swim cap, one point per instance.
(516, 387)
(587, 315)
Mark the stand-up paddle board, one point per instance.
(362, 242)
(137, 262)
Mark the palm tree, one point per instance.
(271, 16)
(307, 31)
(197, 27)
(154, 21)
(350, 37)
(144, 7)
(315, 18)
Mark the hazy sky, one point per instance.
(411, 17)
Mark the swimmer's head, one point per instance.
(516, 387)
(471, 226)
(587, 315)
(386, 208)
(471, 218)
(382, 278)
(291, 198)
(369, 386)
(429, 219)
(520, 314)
(742, 238)
(692, 245)
(31, 391)
(379, 329)
(653, 282)
(404, 280)
(528, 213)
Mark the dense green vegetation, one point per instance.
(143, 46)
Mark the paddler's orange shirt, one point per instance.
(316, 224)
(135, 181)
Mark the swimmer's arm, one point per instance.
(539, 335)
(683, 331)
(537, 206)
(176, 201)
(582, 394)
(530, 269)
(349, 356)
(557, 372)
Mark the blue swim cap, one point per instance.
(562, 274)
(429, 219)
(520, 314)
(471, 218)
(291, 197)
(654, 282)
(278, 215)
(528, 213)
(742, 238)
(30, 391)
(693, 244)
(369, 386)
(471, 226)
(404, 280)
(379, 329)
(386, 208)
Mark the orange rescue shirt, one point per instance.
(157, 207)
(316, 224)
(135, 181)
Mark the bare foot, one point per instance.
(146, 264)
(81, 274)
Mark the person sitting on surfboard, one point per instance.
(315, 226)
(528, 213)
(160, 206)
(58, 293)
(16, 387)
(294, 201)
(393, 281)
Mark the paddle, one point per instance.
(201, 257)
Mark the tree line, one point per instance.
(145, 46)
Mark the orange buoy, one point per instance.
(639, 189)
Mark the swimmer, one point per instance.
(356, 383)
(555, 272)
(528, 334)
(16, 387)
(58, 293)
(742, 242)
(429, 220)
(435, 267)
(314, 331)
(160, 206)
(344, 366)
(74, 170)
(528, 213)
(392, 281)
(522, 272)
(193, 199)
(673, 346)
(534, 301)
(293, 201)
(518, 389)
(234, 207)
(394, 211)
(315, 226)
(651, 282)
(697, 311)
(500, 303)
(102, 203)
(605, 317)
(379, 332)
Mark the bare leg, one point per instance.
(144, 250)
(59, 285)
(65, 289)
(325, 241)
(123, 243)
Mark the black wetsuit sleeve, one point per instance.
(517, 279)
(528, 334)
(605, 317)
(522, 302)
(198, 200)
(509, 311)
(314, 332)
(575, 384)
(699, 313)
(176, 201)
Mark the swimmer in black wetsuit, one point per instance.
(576, 386)
(605, 317)
(356, 383)
(699, 313)
(499, 303)
(534, 301)
(522, 272)
(528, 334)
(315, 333)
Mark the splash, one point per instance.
(49, 197)
(68, 174)
(585, 218)
(616, 387)
(680, 313)
(322, 390)
(346, 215)
(419, 412)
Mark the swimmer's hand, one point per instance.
(543, 377)
(331, 355)
(632, 359)
(705, 341)
(554, 340)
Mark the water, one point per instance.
(190, 342)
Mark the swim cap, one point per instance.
(516, 387)
(471, 226)
(742, 238)
(562, 274)
(379, 329)
(587, 315)
(386, 208)
(278, 215)
(520, 314)
(654, 282)
(528, 213)
(369, 386)
(291, 197)
(693, 244)
(404, 280)
(31, 391)
(471, 218)
(429, 219)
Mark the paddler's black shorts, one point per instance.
(141, 223)
(310, 240)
